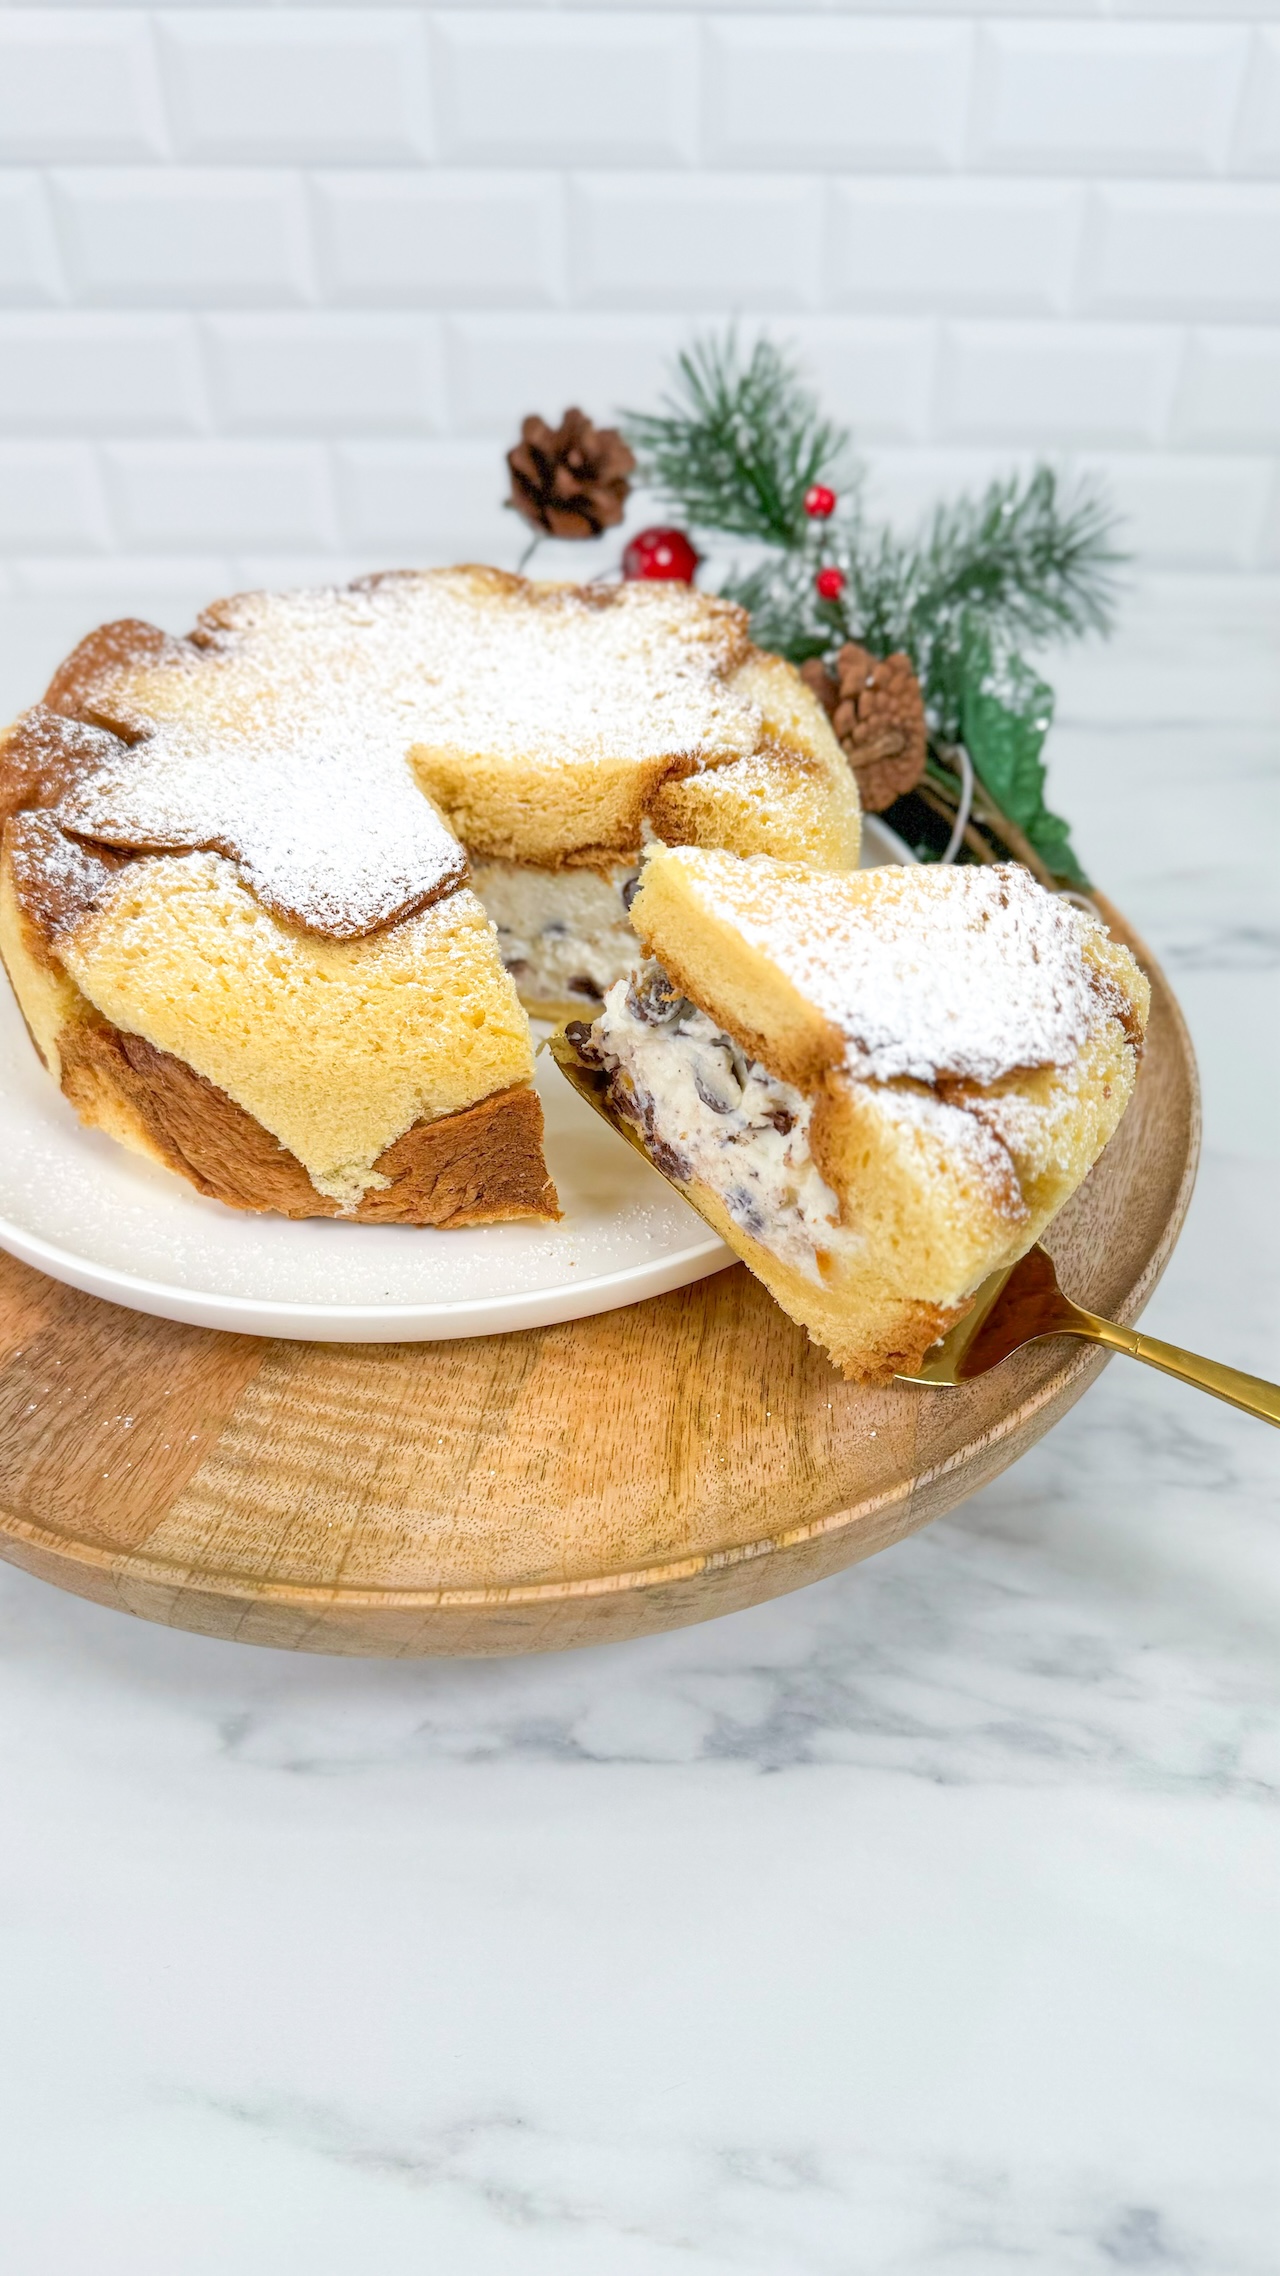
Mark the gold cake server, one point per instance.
(1024, 1304)
(1018, 1306)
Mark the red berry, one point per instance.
(819, 502)
(661, 553)
(830, 583)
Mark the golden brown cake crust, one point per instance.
(110, 649)
(482, 1164)
(470, 1168)
(44, 755)
(57, 880)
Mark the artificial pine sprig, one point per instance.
(1022, 563)
(739, 443)
(735, 451)
(1041, 562)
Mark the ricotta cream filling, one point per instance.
(710, 1113)
(563, 934)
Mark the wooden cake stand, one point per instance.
(518, 1493)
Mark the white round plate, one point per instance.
(81, 1208)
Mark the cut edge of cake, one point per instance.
(705, 739)
(743, 1061)
(139, 725)
(476, 1158)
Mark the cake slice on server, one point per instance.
(878, 1087)
(558, 728)
(265, 973)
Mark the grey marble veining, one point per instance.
(923, 1922)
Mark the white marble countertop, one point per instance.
(922, 1922)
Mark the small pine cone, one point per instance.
(879, 719)
(571, 480)
(816, 677)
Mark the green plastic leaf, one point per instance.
(1006, 711)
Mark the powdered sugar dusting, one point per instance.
(59, 879)
(339, 850)
(964, 1135)
(967, 972)
(280, 735)
(475, 661)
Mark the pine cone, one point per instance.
(570, 480)
(816, 677)
(877, 711)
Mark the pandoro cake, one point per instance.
(556, 728)
(269, 893)
(265, 974)
(878, 1088)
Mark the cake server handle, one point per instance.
(1250, 1392)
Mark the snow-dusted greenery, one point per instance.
(734, 449)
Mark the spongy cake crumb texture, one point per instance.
(966, 1044)
(335, 1047)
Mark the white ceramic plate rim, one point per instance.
(372, 1323)
(312, 1321)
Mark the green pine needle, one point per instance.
(738, 443)
(734, 451)
(1023, 563)
(1028, 560)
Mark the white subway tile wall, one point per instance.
(278, 281)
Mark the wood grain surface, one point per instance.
(567, 1485)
